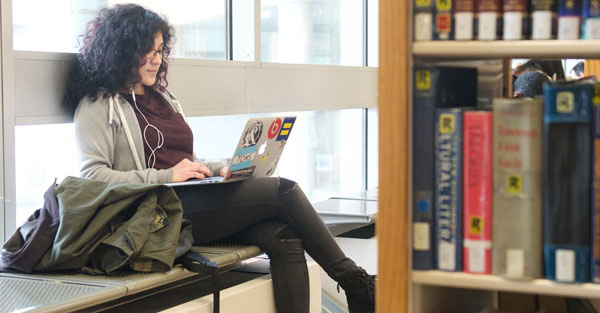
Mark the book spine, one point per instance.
(488, 19)
(567, 181)
(596, 191)
(443, 20)
(463, 15)
(517, 207)
(423, 19)
(477, 190)
(425, 88)
(515, 19)
(590, 24)
(448, 174)
(543, 19)
(569, 19)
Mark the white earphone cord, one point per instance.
(161, 139)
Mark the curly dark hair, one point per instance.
(114, 47)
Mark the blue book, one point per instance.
(590, 19)
(433, 87)
(443, 20)
(566, 180)
(569, 19)
(596, 190)
(448, 192)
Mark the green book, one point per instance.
(517, 198)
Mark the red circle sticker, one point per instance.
(274, 128)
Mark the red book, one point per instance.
(477, 192)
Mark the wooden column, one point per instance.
(392, 218)
(592, 67)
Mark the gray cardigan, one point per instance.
(110, 145)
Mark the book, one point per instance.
(423, 19)
(590, 15)
(433, 87)
(488, 19)
(543, 19)
(517, 206)
(515, 19)
(569, 18)
(443, 20)
(477, 192)
(596, 189)
(448, 188)
(567, 158)
(463, 15)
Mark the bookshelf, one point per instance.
(495, 283)
(392, 217)
(462, 292)
(561, 49)
(399, 288)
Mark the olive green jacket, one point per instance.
(105, 226)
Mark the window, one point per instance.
(312, 31)
(242, 16)
(324, 154)
(372, 153)
(55, 26)
(43, 153)
(373, 33)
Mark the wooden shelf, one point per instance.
(588, 49)
(492, 282)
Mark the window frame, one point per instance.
(252, 87)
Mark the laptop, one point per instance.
(257, 152)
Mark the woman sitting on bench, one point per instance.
(117, 91)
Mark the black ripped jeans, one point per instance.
(274, 214)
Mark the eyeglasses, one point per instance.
(152, 54)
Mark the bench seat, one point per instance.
(70, 291)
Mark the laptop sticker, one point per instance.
(263, 152)
(243, 173)
(252, 134)
(274, 128)
(286, 128)
(265, 156)
(243, 158)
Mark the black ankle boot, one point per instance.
(360, 291)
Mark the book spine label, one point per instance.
(596, 191)
(543, 19)
(443, 20)
(517, 229)
(567, 182)
(463, 16)
(423, 19)
(516, 18)
(448, 163)
(488, 19)
(425, 86)
(477, 190)
(590, 25)
(569, 19)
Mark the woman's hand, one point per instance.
(224, 171)
(187, 169)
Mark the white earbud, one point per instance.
(161, 139)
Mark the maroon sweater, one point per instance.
(178, 138)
